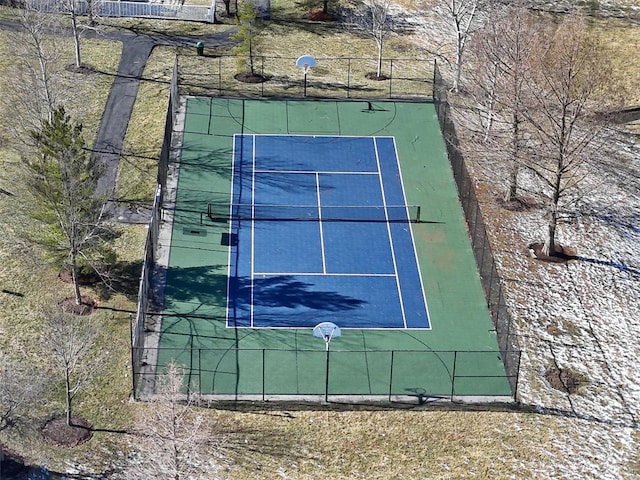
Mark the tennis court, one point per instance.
(302, 209)
(286, 214)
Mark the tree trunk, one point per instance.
(44, 77)
(492, 101)
(76, 280)
(76, 36)
(379, 70)
(512, 189)
(549, 248)
(68, 394)
(91, 11)
(511, 192)
(458, 67)
(550, 244)
(251, 34)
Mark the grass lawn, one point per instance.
(29, 283)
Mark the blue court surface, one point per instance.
(320, 230)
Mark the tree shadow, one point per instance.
(207, 160)
(621, 266)
(120, 278)
(205, 285)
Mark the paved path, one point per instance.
(136, 49)
(117, 111)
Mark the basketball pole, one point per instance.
(305, 82)
(326, 331)
(327, 340)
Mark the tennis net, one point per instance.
(219, 212)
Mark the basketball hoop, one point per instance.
(306, 63)
(327, 331)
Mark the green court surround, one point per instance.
(274, 362)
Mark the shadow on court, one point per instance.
(207, 286)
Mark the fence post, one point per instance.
(515, 385)
(200, 372)
(453, 375)
(391, 374)
(349, 77)
(264, 358)
(490, 296)
(390, 77)
(262, 75)
(133, 358)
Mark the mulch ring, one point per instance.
(376, 77)
(250, 78)
(87, 305)
(520, 204)
(57, 431)
(320, 16)
(562, 255)
(83, 68)
(565, 380)
(90, 278)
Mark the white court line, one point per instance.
(338, 172)
(393, 253)
(253, 223)
(319, 274)
(324, 263)
(314, 136)
(413, 242)
(233, 164)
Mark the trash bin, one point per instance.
(200, 48)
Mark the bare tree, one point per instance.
(35, 54)
(462, 15)
(75, 10)
(71, 8)
(21, 384)
(503, 48)
(374, 18)
(572, 86)
(70, 342)
(174, 433)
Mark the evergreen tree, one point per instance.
(62, 176)
(247, 38)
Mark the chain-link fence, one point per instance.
(491, 282)
(382, 375)
(279, 77)
(146, 292)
